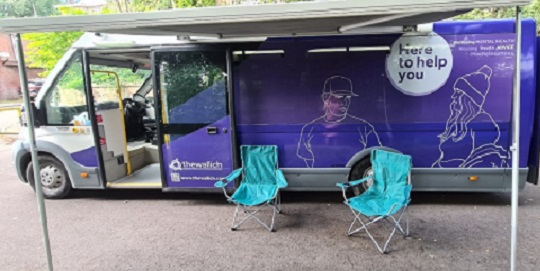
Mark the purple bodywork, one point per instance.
(285, 100)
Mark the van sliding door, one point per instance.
(193, 120)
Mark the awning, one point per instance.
(293, 19)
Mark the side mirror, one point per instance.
(22, 118)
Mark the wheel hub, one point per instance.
(368, 172)
(51, 177)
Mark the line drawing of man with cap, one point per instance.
(336, 97)
(470, 91)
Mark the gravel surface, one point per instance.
(151, 230)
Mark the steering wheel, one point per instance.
(140, 101)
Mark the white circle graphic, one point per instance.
(419, 65)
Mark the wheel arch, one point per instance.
(48, 149)
(364, 153)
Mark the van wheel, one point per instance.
(360, 170)
(54, 177)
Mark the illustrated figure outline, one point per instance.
(336, 97)
(468, 99)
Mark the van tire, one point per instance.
(55, 179)
(358, 171)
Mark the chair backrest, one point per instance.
(259, 163)
(391, 171)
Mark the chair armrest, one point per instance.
(233, 175)
(281, 181)
(346, 185)
(353, 183)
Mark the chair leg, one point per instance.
(383, 249)
(252, 214)
(234, 227)
(387, 241)
(359, 219)
(396, 223)
(395, 226)
(349, 232)
(275, 210)
(406, 223)
(278, 202)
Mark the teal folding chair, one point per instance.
(259, 186)
(385, 198)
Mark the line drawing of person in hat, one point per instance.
(336, 97)
(459, 144)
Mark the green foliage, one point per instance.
(27, 8)
(530, 11)
(194, 3)
(72, 79)
(152, 5)
(144, 5)
(45, 49)
(126, 76)
(70, 87)
(189, 72)
(236, 2)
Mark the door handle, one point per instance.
(211, 130)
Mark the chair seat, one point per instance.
(251, 195)
(373, 204)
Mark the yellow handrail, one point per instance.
(164, 108)
(119, 92)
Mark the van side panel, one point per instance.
(535, 138)
(291, 99)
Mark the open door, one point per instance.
(193, 118)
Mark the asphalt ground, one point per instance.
(151, 230)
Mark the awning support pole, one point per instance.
(515, 141)
(32, 141)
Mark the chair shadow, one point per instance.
(460, 198)
(437, 198)
(332, 197)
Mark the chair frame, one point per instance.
(250, 211)
(388, 217)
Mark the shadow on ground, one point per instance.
(418, 198)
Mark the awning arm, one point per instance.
(515, 141)
(33, 149)
(349, 27)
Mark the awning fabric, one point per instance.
(293, 19)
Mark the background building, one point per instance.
(9, 72)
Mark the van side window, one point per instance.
(66, 102)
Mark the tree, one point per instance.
(45, 49)
(27, 8)
(125, 6)
(530, 11)
(194, 3)
(190, 72)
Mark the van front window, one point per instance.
(66, 102)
